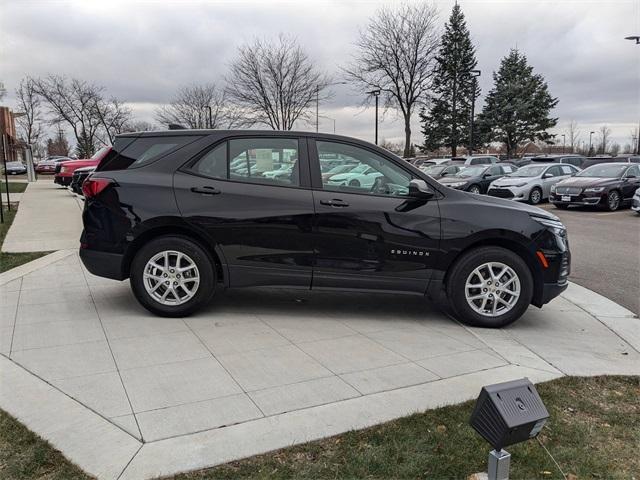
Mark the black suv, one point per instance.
(184, 212)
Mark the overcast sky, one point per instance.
(143, 51)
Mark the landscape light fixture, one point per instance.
(505, 414)
(634, 37)
(376, 93)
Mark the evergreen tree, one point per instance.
(446, 122)
(517, 108)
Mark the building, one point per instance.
(9, 138)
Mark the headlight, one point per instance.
(553, 188)
(63, 169)
(456, 184)
(518, 185)
(556, 225)
(593, 190)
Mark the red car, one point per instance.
(49, 165)
(64, 170)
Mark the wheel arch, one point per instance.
(509, 244)
(210, 247)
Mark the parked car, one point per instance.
(607, 185)
(570, 158)
(476, 179)
(442, 170)
(531, 183)
(64, 170)
(49, 165)
(475, 160)
(151, 215)
(78, 178)
(15, 168)
(338, 169)
(635, 203)
(609, 159)
(362, 175)
(518, 162)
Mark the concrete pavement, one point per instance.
(48, 219)
(125, 394)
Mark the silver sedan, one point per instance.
(531, 183)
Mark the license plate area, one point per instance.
(565, 198)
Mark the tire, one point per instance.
(535, 196)
(561, 206)
(474, 189)
(193, 254)
(464, 269)
(613, 201)
(354, 183)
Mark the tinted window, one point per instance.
(495, 170)
(567, 170)
(555, 171)
(508, 168)
(373, 174)
(264, 160)
(633, 171)
(213, 163)
(136, 152)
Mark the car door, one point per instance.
(630, 182)
(550, 177)
(261, 225)
(372, 238)
(491, 173)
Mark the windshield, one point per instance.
(529, 171)
(14, 164)
(605, 171)
(433, 169)
(470, 172)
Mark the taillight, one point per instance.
(93, 186)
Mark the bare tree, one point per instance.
(396, 55)
(3, 90)
(605, 133)
(274, 83)
(140, 126)
(29, 106)
(73, 101)
(573, 135)
(113, 116)
(190, 106)
(614, 149)
(58, 145)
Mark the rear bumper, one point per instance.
(60, 180)
(103, 264)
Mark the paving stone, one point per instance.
(388, 378)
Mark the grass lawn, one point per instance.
(14, 187)
(593, 432)
(11, 260)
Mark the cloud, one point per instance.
(143, 51)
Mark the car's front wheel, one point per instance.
(172, 276)
(489, 287)
(535, 197)
(474, 189)
(613, 201)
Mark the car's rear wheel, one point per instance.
(489, 287)
(474, 189)
(535, 196)
(172, 276)
(613, 201)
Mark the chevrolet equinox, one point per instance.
(181, 213)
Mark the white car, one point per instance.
(635, 203)
(361, 176)
(531, 183)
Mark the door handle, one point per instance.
(336, 202)
(206, 190)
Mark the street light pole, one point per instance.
(590, 135)
(563, 141)
(317, 107)
(376, 93)
(475, 74)
(636, 38)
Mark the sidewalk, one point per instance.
(47, 220)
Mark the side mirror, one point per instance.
(444, 174)
(420, 189)
(547, 175)
(630, 176)
(487, 175)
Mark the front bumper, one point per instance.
(580, 199)
(520, 194)
(65, 181)
(552, 290)
(103, 264)
(635, 206)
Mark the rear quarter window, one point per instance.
(137, 152)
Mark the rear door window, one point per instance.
(136, 152)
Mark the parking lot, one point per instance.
(604, 248)
(261, 368)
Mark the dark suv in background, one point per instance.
(182, 213)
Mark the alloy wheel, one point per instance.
(171, 277)
(474, 189)
(492, 289)
(535, 196)
(613, 200)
